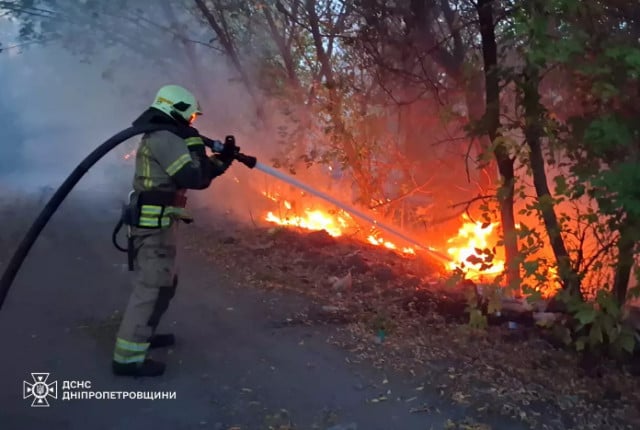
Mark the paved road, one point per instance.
(231, 366)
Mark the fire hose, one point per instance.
(63, 191)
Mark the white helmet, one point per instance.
(177, 102)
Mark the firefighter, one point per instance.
(167, 164)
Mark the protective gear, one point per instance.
(177, 102)
(219, 166)
(161, 340)
(229, 150)
(154, 286)
(167, 164)
(148, 367)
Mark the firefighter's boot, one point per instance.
(162, 340)
(148, 367)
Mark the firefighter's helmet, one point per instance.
(177, 102)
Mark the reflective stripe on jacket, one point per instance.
(160, 157)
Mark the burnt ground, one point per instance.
(251, 354)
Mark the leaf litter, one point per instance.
(398, 313)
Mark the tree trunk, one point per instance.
(492, 124)
(626, 245)
(533, 115)
(231, 51)
(340, 132)
(285, 51)
(486, 173)
(194, 67)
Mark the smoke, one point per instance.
(60, 104)
(55, 109)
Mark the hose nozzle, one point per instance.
(248, 160)
(217, 146)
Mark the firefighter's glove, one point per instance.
(219, 165)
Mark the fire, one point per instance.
(389, 245)
(466, 249)
(473, 248)
(312, 220)
(317, 219)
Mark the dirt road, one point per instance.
(232, 366)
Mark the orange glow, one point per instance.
(554, 285)
(129, 155)
(312, 220)
(320, 219)
(465, 249)
(273, 197)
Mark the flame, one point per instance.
(318, 219)
(466, 249)
(378, 241)
(312, 220)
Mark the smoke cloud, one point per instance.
(56, 109)
(59, 105)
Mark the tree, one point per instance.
(491, 122)
(591, 49)
(119, 32)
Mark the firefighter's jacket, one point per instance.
(168, 164)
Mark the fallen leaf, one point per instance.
(378, 399)
(459, 397)
(343, 283)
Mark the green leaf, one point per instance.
(595, 335)
(561, 184)
(534, 296)
(586, 315)
(530, 267)
(626, 340)
(608, 304)
(607, 132)
(610, 328)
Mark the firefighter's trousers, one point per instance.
(154, 285)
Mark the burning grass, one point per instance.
(464, 250)
(472, 252)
